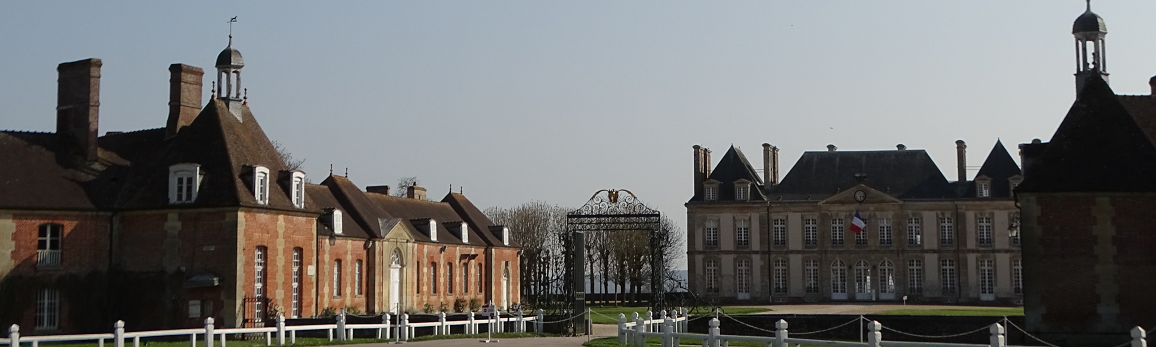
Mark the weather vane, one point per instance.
(231, 21)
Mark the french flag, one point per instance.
(858, 224)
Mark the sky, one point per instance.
(515, 101)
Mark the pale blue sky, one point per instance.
(551, 100)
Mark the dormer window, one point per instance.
(465, 230)
(261, 184)
(505, 236)
(982, 187)
(742, 190)
(336, 216)
(710, 191)
(433, 230)
(297, 188)
(184, 181)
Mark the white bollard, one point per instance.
(713, 333)
(470, 323)
(649, 321)
(521, 327)
(441, 329)
(781, 333)
(403, 332)
(622, 329)
(280, 330)
(874, 337)
(119, 335)
(668, 339)
(385, 324)
(341, 325)
(1138, 337)
(997, 338)
(14, 335)
(639, 328)
(539, 323)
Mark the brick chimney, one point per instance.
(770, 164)
(185, 83)
(701, 168)
(415, 192)
(1152, 84)
(78, 105)
(961, 159)
(831, 148)
(384, 190)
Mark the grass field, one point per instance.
(980, 311)
(609, 315)
(305, 341)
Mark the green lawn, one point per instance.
(301, 341)
(981, 311)
(609, 315)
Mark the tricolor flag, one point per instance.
(858, 224)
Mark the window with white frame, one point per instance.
(48, 253)
(481, 274)
(47, 309)
(886, 277)
(711, 234)
(742, 233)
(259, 282)
(947, 275)
(1017, 277)
(336, 219)
(983, 189)
(862, 277)
(837, 232)
(780, 277)
(984, 230)
(743, 270)
(297, 189)
(986, 277)
(838, 277)
(449, 278)
(779, 231)
(712, 276)
(946, 231)
(915, 276)
(357, 278)
(742, 191)
(466, 278)
(811, 232)
(184, 183)
(914, 232)
(433, 278)
(261, 184)
(295, 307)
(337, 278)
(884, 231)
(711, 191)
(812, 276)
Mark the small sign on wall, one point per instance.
(311, 270)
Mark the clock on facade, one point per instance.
(860, 195)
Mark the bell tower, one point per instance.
(1091, 60)
(229, 64)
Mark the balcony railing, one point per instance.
(48, 259)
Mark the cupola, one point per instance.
(229, 64)
(1089, 30)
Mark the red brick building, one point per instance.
(1088, 204)
(202, 218)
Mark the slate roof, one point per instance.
(1104, 144)
(323, 198)
(477, 220)
(732, 167)
(906, 174)
(33, 176)
(999, 166)
(409, 209)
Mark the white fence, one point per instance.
(669, 331)
(401, 331)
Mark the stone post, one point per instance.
(1138, 337)
(441, 330)
(14, 335)
(668, 339)
(384, 321)
(874, 337)
(781, 333)
(280, 330)
(119, 334)
(649, 321)
(470, 328)
(622, 329)
(639, 328)
(403, 331)
(997, 338)
(521, 325)
(713, 332)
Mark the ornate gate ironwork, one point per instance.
(611, 210)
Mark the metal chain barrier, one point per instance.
(936, 337)
(791, 333)
(566, 319)
(1036, 338)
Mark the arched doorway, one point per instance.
(394, 283)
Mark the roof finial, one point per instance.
(331, 169)
(1089, 5)
(213, 92)
(346, 171)
(246, 99)
(231, 21)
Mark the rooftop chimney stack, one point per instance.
(1152, 84)
(770, 164)
(78, 105)
(699, 173)
(383, 190)
(961, 159)
(831, 148)
(901, 147)
(415, 192)
(185, 83)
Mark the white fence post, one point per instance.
(713, 333)
(997, 338)
(470, 328)
(781, 333)
(540, 322)
(280, 330)
(682, 324)
(874, 337)
(639, 328)
(668, 332)
(441, 329)
(385, 324)
(621, 328)
(341, 326)
(14, 335)
(1138, 337)
(649, 321)
(119, 334)
(403, 331)
(521, 327)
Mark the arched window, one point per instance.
(449, 278)
(947, 275)
(417, 268)
(48, 246)
(466, 278)
(357, 278)
(839, 278)
(184, 182)
(296, 305)
(337, 278)
(259, 283)
(481, 279)
(886, 277)
(433, 278)
(915, 276)
(862, 277)
(261, 184)
(780, 277)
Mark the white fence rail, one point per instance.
(669, 330)
(402, 331)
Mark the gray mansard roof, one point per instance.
(906, 174)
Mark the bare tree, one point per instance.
(291, 163)
(402, 183)
(539, 228)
